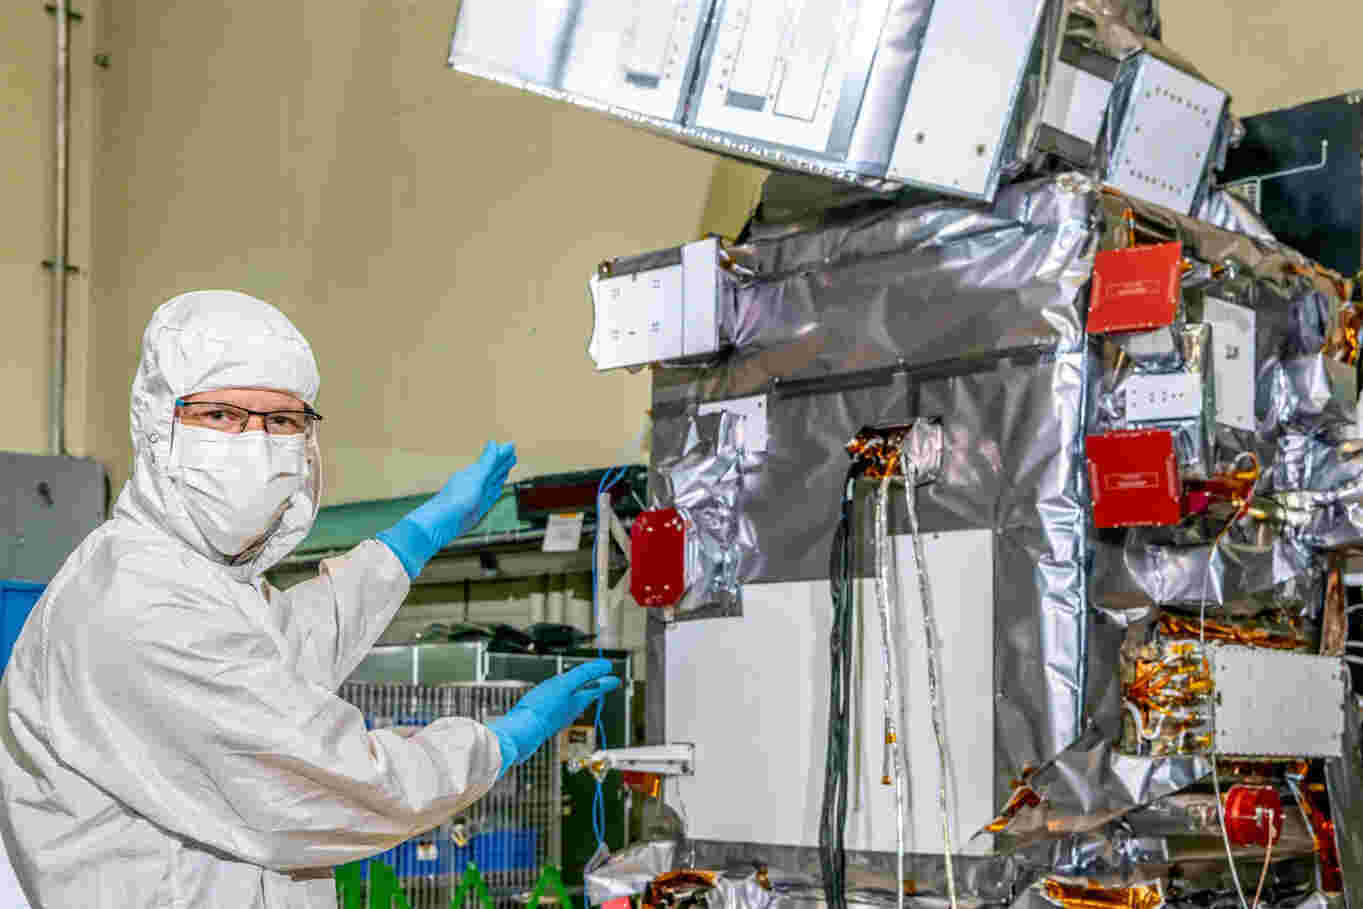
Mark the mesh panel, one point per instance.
(510, 834)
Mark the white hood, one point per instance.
(203, 341)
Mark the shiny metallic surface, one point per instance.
(1089, 785)
(934, 660)
(1157, 350)
(1241, 578)
(1344, 780)
(629, 871)
(1192, 435)
(886, 86)
(703, 478)
(973, 316)
(523, 808)
(969, 314)
(892, 705)
(1228, 211)
(1140, 16)
(923, 451)
(579, 53)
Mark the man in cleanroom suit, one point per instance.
(172, 736)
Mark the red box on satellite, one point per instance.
(1134, 479)
(657, 555)
(1134, 289)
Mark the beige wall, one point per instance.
(430, 233)
(1270, 54)
(27, 94)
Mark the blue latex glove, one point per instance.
(549, 707)
(452, 511)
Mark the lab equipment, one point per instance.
(512, 834)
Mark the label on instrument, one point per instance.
(1232, 361)
(1163, 396)
(563, 533)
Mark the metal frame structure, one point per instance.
(511, 834)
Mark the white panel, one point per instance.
(1163, 396)
(811, 45)
(1232, 361)
(1166, 135)
(959, 105)
(1076, 102)
(637, 318)
(662, 314)
(793, 56)
(753, 432)
(1283, 704)
(512, 36)
(648, 41)
(659, 41)
(751, 694)
(761, 27)
(700, 266)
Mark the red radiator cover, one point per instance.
(1133, 478)
(658, 558)
(1134, 289)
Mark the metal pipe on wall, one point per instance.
(57, 391)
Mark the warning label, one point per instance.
(1146, 288)
(1117, 482)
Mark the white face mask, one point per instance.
(236, 485)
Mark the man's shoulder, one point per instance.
(125, 573)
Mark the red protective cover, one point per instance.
(657, 558)
(1253, 814)
(1134, 289)
(1133, 478)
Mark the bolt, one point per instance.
(979, 150)
(919, 137)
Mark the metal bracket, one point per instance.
(1257, 181)
(662, 760)
(70, 13)
(608, 599)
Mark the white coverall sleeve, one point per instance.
(333, 619)
(174, 702)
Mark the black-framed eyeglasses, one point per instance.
(231, 418)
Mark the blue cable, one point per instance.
(608, 480)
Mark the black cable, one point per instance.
(833, 819)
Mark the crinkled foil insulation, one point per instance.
(973, 315)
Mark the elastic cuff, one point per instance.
(509, 752)
(410, 544)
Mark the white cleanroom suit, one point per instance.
(172, 737)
